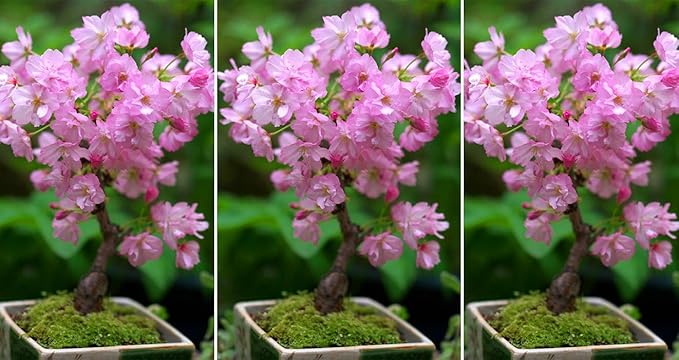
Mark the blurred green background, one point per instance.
(258, 256)
(32, 260)
(499, 259)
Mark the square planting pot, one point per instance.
(252, 343)
(484, 343)
(16, 345)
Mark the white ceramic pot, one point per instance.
(484, 343)
(16, 345)
(252, 343)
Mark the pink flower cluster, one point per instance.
(568, 110)
(336, 110)
(88, 112)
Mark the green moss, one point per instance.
(55, 324)
(528, 324)
(296, 324)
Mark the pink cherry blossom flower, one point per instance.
(18, 51)
(613, 248)
(336, 34)
(650, 221)
(417, 221)
(259, 51)
(32, 104)
(118, 71)
(306, 226)
(177, 221)
(85, 191)
(539, 227)
(491, 51)
(326, 191)
(427, 255)
(65, 226)
(381, 248)
(193, 46)
(557, 193)
(660, 255)
(666, 47)
(434, 47)
(187, 255)
(141, 248)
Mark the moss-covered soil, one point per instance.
(528, 324)
(55, 324)
(296, 324)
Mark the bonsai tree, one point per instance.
(100, 116)
(343, 117)
(572, 115)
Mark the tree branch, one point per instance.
(565, 288)
(89, 295)
(333, 286)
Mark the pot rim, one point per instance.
(422, 341)
(161, 325)
(637, 328)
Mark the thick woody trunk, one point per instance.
(334, 285)
(565, 288)
(92, 288)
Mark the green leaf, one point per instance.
(398, 275)
(450, 281)
(630, 276)
(159, 275)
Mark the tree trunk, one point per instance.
(334, 285)
(565, 288)
(89, 295)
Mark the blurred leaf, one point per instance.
(450, 281)
(159, 275)
(631, 311)
(631, 275)
(207, 280)
(398, 275)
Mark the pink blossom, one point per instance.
(660, 255)
(177, 221)
(666, 47)
(259, 51)
(613, 248)
(326, 192)
(187, 255)
(141, 248)
(133, 38)
(650, 221)
(193, 46)
(557, 193)
(428, 255)
(306, 226)
(417, 221)
(336, 34)
(70, 154)
(543, 154)
(381, 248)
(65, 226)
(539, 228)
(491, 51)
(118, 71)
(85, 191)
(434, 47)
(272, 105)
(18, 51)
(32, 104)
